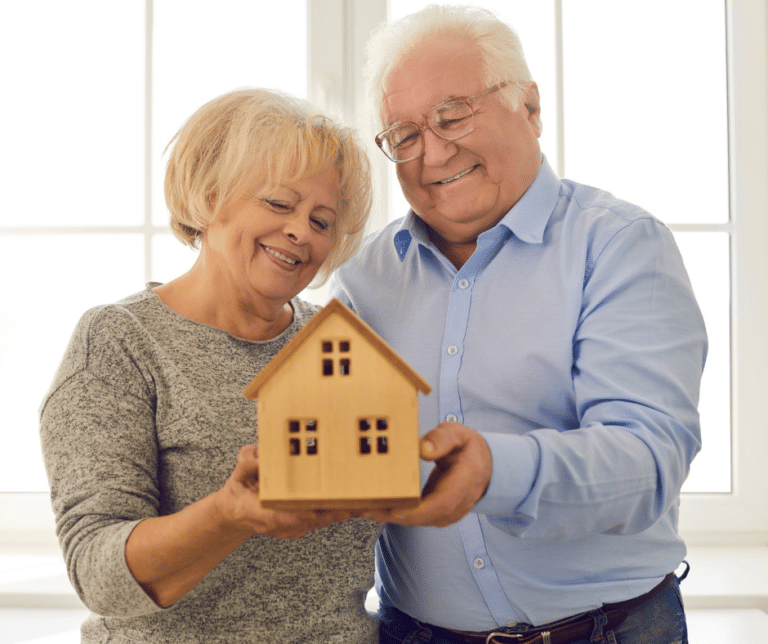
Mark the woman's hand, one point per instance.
(170, 555)
(240, 507)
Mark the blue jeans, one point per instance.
(660, 620)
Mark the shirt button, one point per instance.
(463, 283)
(453, 350)
(451, 418)
(479, 563)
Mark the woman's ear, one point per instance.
(212, 200)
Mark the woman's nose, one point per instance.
(298, 228)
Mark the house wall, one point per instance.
(373, 389)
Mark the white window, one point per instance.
(669, 113)
(663, 103)
(95, 92)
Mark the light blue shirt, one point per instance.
(571, 339)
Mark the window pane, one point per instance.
(73, 110)
(706, 257)
(619, 135)
(170, 258)
(50, 281)
(645, 104)
(534, 22)
(201, 51)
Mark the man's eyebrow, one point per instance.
(447, 99)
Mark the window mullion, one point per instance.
(559, 161)
(148, 61)
(338, 32)
(742, 517)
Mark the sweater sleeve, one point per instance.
(100, 452)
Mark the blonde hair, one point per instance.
(286, 140)
(498, 44)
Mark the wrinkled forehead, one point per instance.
(428, 75)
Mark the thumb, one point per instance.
(442, 440)
(428, 450)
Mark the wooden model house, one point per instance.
(338, 419)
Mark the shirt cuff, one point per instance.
(515, 464)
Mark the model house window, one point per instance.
(370, 437)
(302, 437)
(335, 362)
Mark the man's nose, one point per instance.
(437, 150)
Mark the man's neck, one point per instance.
(456, 252)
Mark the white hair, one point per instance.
(498, 44)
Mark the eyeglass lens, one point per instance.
(449, 121)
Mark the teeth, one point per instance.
(458, 176)
(287, 260)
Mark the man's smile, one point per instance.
(456, 176)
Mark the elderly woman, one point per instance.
(148, 442)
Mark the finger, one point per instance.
(438, 509)
(462, 470)
(286, 525)
(313, 520)
(421, 515)
(247, 467)
(248, 453)
(435, 508)
(382, 516)
(444, 439)
(336, 516)
(248, 458)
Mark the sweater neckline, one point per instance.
(157, 301)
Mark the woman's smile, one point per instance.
(283, 258)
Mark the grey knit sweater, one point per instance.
(144, 417)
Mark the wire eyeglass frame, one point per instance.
(431, 122)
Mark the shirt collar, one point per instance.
(411, 227)
(527, 219)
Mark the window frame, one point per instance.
(336, 57)
(741, 516)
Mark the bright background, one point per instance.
(95, 90)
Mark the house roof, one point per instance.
(335, 307)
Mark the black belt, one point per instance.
(579, 628)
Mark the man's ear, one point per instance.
(534, 108)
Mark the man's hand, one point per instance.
(463, 468)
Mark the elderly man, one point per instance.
(565, 347)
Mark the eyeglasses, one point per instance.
(450, 120)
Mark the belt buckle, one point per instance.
(516, 636)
